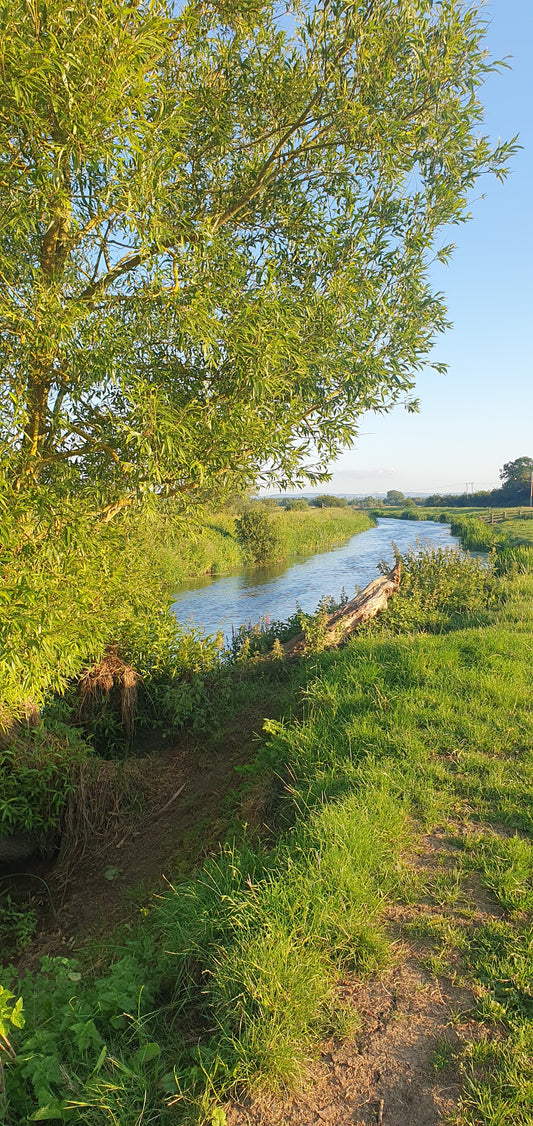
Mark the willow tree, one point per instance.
(215, 230)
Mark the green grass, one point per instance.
(231, 981)
(318, 529)
(507, 524)
(504, 537)
(213, 547)
(520, 532)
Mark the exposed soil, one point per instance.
(189, 802)
(402, 1068)
(386, 1073)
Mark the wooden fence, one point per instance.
(500, 514)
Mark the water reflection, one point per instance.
(222, 602)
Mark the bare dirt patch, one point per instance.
(402, 1068)
(189, 801)
(387, 1074)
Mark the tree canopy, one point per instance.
(516, 477)
(216, 227)
(394, 496)
(517, 473)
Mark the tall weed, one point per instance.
(440, 588)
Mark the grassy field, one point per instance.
(435, 513)
(421, 724)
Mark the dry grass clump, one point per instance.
(101, 803)
(111, 673)
(13, 725)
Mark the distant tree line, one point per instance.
(514, 490)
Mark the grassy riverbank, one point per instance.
(502, 537)
(423, 723)
(509, 528)
(73, 588)
(214, 548)
(500, 516)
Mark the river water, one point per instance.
(224, 602)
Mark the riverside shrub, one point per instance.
(295, 505)
(327, 500)
(257, 533)
(439, 588)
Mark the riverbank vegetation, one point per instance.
(215, 242)
(499, 529)
(69, 590)
(227, 982)
(215, 547)
(93, 658)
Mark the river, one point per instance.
(221, 602)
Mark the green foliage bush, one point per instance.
(36, 773)
(439, 588)
(328, 501)
(180, 674)
(97, 1030)
(394, 496)
(18, 924)
(70, 586)
(293, 505)
(256, 531)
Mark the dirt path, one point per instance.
(403, 1066)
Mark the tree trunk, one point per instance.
(53, 258)
(39, 384)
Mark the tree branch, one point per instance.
(124, 266)
(262, 175)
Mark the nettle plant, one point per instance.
(439, 588)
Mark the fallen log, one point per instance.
(339, 625)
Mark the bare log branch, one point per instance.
(343, 622)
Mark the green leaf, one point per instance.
(10, 1015)
(53, 1112)
(147, 1052)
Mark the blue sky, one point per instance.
(480, 414)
